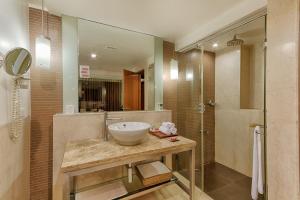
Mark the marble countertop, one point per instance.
(94, 152)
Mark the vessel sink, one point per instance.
(129, 133)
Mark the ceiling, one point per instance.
(171, 20)
(116, 49)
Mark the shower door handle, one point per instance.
(201, 108)
(204, 132)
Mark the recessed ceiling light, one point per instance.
(93, 55)
(215, 45)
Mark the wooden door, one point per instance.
(132, 90)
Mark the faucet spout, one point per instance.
(106, 119)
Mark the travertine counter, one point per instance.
(93, 152)
(91, 155)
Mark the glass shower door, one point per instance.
(220, 99)
(188, 115)
(232, 100)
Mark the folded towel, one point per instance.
(165, 130)
(168, 125)
(168, 128)
(173, 131)
(257, 179)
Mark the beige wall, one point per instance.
(14, 156)
(233, 141)
(90, 125)
(257, 76)
(283, 100)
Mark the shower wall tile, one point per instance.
(234, 138)
(283, 100)
(183, 97)
(170, 86)
(209, 115)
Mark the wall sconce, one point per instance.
(189, 74)
(42, 51)
(173, 69)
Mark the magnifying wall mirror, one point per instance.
(17, 61)
(1, 59)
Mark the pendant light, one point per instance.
(42, 47)
(173, 68)
(189, 71)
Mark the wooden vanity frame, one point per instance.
(71, 168)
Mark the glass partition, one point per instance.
(233, 96)
(221, 99)
(188, 102)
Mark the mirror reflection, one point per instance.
(116, 68)
(17, 61)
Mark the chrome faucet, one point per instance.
(106, 119)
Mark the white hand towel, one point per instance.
(257, 180)
(260, 186)
(168, 124)
(168, 128)
(173, 131)
(165, 130)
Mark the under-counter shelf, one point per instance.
(119, 189)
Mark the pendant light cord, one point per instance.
(42, 17)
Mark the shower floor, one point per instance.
(223, 183)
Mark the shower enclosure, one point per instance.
(221, 99)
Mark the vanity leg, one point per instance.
(69, 188)
(168, 161)
(192, 173)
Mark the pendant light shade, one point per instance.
(189, 74)
(42, 51)
(42, 47)
(173, 69)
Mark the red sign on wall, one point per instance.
(84, 71)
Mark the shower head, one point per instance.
(235, 42)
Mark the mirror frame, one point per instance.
(1, 59)
(4, 61)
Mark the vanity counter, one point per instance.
(89, 153)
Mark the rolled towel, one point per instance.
(168, 128)
(165, 130)
(168, 125)
(173, 131)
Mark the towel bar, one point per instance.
(255, 125)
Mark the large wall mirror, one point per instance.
(116, 68)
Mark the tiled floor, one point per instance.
(223, 183)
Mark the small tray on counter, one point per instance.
(160, 134)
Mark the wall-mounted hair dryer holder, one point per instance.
(16, 63)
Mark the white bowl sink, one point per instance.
(129, 133)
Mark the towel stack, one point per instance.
(168, 128)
